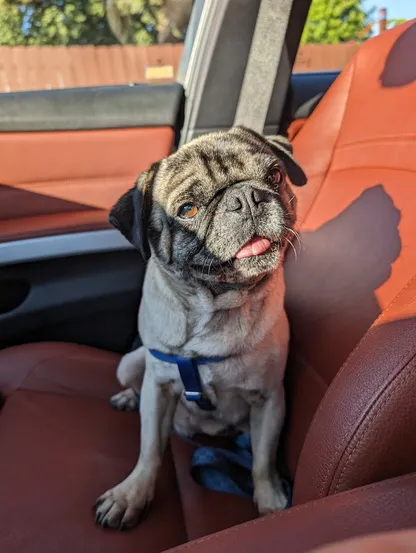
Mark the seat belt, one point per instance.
(268, 63)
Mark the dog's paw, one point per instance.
(270, 498)
(126, 400)
(121, 508)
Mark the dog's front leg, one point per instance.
(122, 506)
(265, 426)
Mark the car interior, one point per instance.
(70, 287)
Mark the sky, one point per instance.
(395, 8)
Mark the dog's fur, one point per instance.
(199, 300)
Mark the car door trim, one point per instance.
(64, 245)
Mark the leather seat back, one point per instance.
(351, 294)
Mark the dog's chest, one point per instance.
(252, 336)
(230, 387)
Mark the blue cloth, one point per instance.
(188, 370)
(229, 471)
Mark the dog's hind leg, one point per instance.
(130, 374)
(126, 400)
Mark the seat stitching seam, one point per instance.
(35, 367)
(385, 139)
(359, 167)
(344, 446)
(394, 385)
(32, 370)
(78, 180)
(343, 368)
(384, 167)
(77, 394)
(295, 510)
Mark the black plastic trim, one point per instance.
(92, 108)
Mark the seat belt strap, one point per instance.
(267, 64)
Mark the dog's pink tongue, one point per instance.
(257, 246)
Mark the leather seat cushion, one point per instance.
(62, 446)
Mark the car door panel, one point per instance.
(79, 174)
(67, 156)
(54, 181)
(90, 299)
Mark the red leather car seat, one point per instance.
(351, 295)
(351, 378)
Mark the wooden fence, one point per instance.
(49, 67)
(324, 57)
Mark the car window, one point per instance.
(64, 44)
(335, 29)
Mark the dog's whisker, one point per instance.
(296, 235)
(203, 265)
(221, 267)
(293, 248)
(210, 266)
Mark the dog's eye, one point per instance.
(188, 211)
(275, 175)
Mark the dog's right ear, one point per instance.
(283, 148)
(130, 215)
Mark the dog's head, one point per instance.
(218, 211)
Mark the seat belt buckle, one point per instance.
(193, 396)
(200, 399)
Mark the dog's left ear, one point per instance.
(283, 149)
(130, 215)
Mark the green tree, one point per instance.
(148, 21)
(100, 22)
(334, 21)
(11, 22)
(394, 22)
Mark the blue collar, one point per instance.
(188, 370)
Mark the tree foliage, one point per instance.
(100, 22)
(394, 22)
(148, 21)
(334, 21)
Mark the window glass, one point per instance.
(49, 44)
(335, 29)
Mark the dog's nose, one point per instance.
(245, 200)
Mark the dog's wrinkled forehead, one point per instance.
(223, 156)
(213, 161)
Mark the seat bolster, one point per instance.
(363, 430)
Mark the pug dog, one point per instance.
(213, 221)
